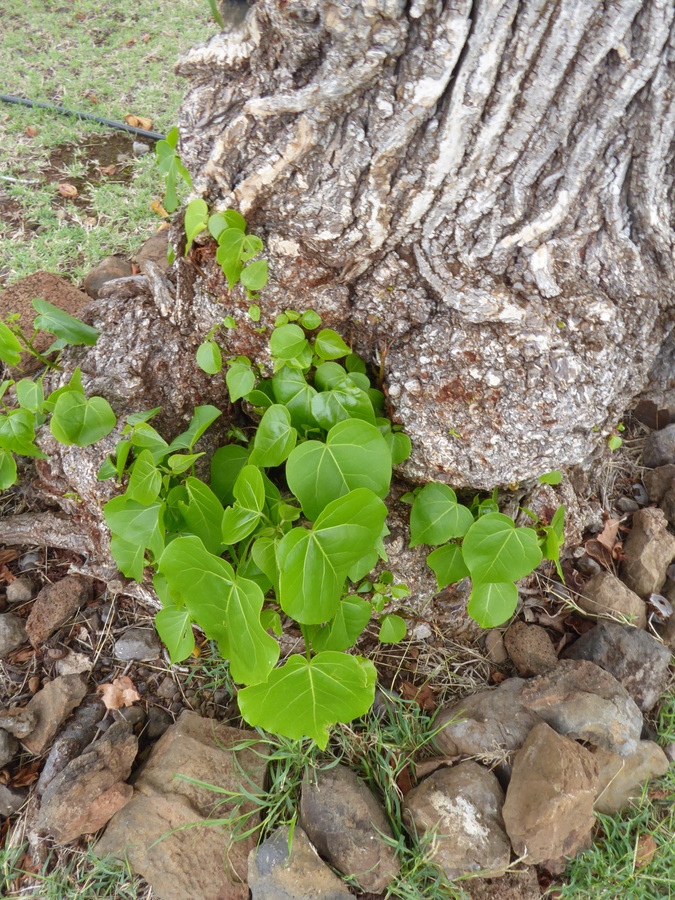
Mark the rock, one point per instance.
(154, 250)
(137, 644)
(659, 448)
(52, 706)
(669, 750)
(658, 481)
(12, 633)
(18, 721)
(273, 876)
(486, 723)
(605, 595)
(157, 721)
(648, 551)
(627, 505)
(9, 747)
(74, 664)
(636, 659)
(91, 788)
(29, 561)
(668, 633)
(621, 779)
(11, 799)
(530, 648)
(55, 604)
(588, 566)
(18, 298)
(21, 590)
(138, 148)
(109, 269)
(345, 823)
(462, 807)
(77, 735)
(133, 715)
(548, 812)
(667, 505)
(192, 862)
(494, 647)
(581, 700)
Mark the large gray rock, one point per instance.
(485, 724)
(11, 799)
(18, 720)
(91, 788)
(12, 633)
(273, 874)
(581, 700)
(137, 644)
(635, 658)
(621, 779)
(548, 812)
(77, 735)
(346, 824)
(605, 595)
(9, 747)
(659, 448)
(190, 861)
(461, 807)
(648, 551)
(52, 706)
(55, 604)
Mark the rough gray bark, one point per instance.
(480, 193)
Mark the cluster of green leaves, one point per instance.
(480, 542)
(74, 418)
(236, 249)
(171, 168)
(291, 522)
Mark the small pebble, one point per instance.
(142, 687)
(669, 750)
(32, 560)
(176, 708)
(222, 696)
(190, 693)
(134, 715)
(640, 494)
(158, 720)
(167, 688)
(21, 590)
(139, 148)
(137, 644)
(626, 505)
(107, 612)
(34, 684)
(588, 566)
(18, 721)
(176, 696)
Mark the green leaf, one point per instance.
(218, 222)
(314, 564)
(196, 216)
(288, 342)
(355, 455)
(145, 437)
(264, 554)
(174, 627)
(352, 616)
(329, 345)
(448, 565)
(328, 375)
(202, 418)
(170, 167)
(56, 321)
(17, 431)
(275, 437)
(558, 522)
(254, 312)
(491, 604)
(310, 320)
(143, 416)
(130, 557)
(304, 697)
(135, 523)
(614, 442)
(181, 462)
(291, 389)
(254, 276)
(79, 421)
(30, 395)
(226, 464)
(344, 401)
(241, 519)
(106, 470)
(240, 380)
(553, 477)
(228, 255)
(7, 470)
(259, 399)
(392, 629)
(270, 619)
(495, 550)
(203, 514)
(145, 480)
(436, 516)
(10, 348)
(354, 363)
(209, 357)
(226, 607)
(399, 446)
(365, 565)
(252, 245)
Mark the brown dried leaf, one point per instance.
(157, 207)
(607, 536)
(424, 696)
(91, 97)
(129, 119)
(107, 170)
(145, 123)
(19, 656)
(404, 781)
(8, 555)
(69, 191)
(645, 850)
(6, 575)
(118, 693)
(27, 774)
(145, 38)
(31, 131)
(427, 766)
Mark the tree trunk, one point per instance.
(479, 193)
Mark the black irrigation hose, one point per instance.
(120, 126)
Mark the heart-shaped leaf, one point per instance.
(291, 389)
(174, 627)
(494, 550)
(145, 480)
(344, 401)
(7, 470)
(355, 455)
(275, 437)
(329, 345)
(203, 514)
(436, 516)
(202, 417)
(241, 519)
(209, 357)
(240, 381)
(56, 321)
(304, 697)
(392, 629)
(493, 603)
(352, 616)
(10, 348)
(196, 217)
(79, 421)
(226, 464)
(448, 564)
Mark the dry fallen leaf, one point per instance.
(31, 131)
(91, 97)
(8, 556)
(424, 696)
(69, 191)
(607, 536)
(107, 170)
(118, 693)
(131, 120)
(145, 38)
(404, 781)
(157, 207)
(645, 850)
(145, 123)
(427, 766)
(5, 574)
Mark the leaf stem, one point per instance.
(308, 650)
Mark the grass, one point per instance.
(100, 58)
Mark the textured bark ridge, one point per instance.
(480, 193)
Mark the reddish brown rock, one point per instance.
(109, 269)
(530, 648)
(54, 605)
(605, 595)
(648, 551)
(621, 779)
(548, 810)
